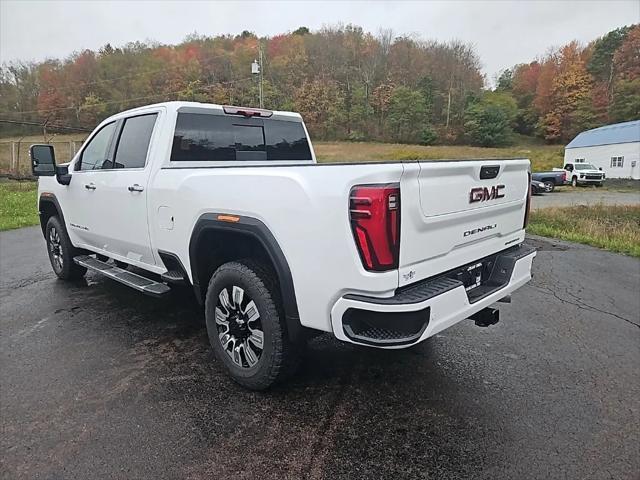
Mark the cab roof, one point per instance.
(213, 107)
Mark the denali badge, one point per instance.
(479, 229)
(482, 194)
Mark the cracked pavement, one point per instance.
(98, 381)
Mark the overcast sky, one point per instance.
(503, 32)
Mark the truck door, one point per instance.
(81, 199)
(125, 229)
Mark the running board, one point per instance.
(130, 279)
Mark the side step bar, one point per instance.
(130, 279)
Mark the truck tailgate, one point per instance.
(454, 213)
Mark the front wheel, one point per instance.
(61, 251)
(598, 185)
(246, 325)
(574, 182)
(549, 186)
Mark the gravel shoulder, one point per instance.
(567, 196)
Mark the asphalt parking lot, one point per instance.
(98, 381)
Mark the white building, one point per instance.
(615, 149)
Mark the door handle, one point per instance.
(90, 186)
(136, 188)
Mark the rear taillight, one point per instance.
(528, 206)
(564, 177)
(374, 211)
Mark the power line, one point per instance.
(230, 82)
(54, 127)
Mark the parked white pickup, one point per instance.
(580, 173)
(231, 201)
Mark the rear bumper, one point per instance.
(428, 307)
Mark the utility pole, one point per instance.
(261, 70)
(256, 69)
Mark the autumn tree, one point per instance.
(348, 83)
(570, 110)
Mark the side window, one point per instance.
(568, 167)
(133, 144)
(95, 153)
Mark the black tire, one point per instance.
(278, 357)
(549, 186)
(61, 251)
(574, 182)
(598, 185)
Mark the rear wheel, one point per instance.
(246, 325)
(61, 251)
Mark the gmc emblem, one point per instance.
(482, 194)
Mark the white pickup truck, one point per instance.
(580, 173)
(231, 202)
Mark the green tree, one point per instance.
(600, 65)
(301, 31)
(505, 80)
(407, 115)
(626, 101)
(489, 120)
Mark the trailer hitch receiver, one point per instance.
(486, 317)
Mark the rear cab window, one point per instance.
(228, 138)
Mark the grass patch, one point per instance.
(543, 157)
(614, 228)
(18, 206)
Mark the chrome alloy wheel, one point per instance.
(239, 327)
(55, 248)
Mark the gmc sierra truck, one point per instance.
(230, 202)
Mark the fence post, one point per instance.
(13, 157)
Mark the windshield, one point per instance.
(585, 166)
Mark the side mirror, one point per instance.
(43, 160)
(43, 164)
(600, 168)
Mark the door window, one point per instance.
(96, 151)
(133, 144)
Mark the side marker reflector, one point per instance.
(229, 218)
